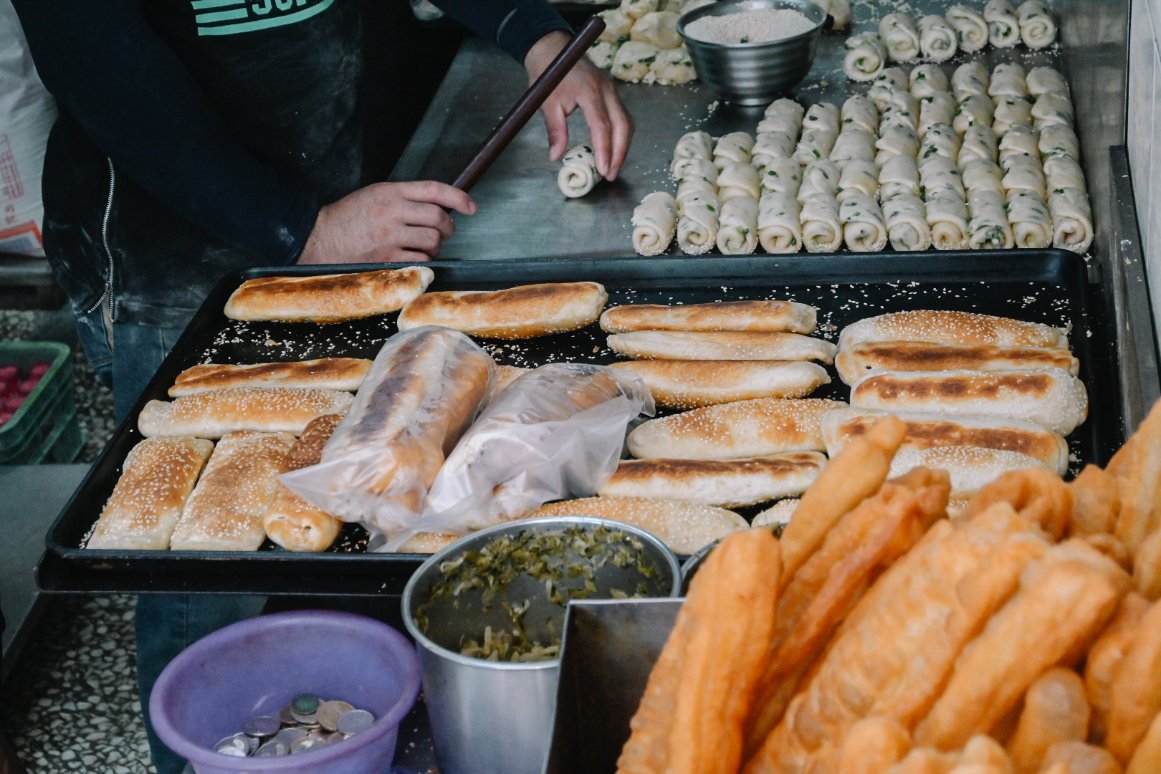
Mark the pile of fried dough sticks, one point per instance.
(879, 636)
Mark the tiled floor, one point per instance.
(70, 703)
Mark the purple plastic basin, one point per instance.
(257, 666)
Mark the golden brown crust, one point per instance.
(327, 298)
(328, 373)
(1135, 693)
(225, 510)
(720, 345)
(520, 312)
(693, 383)
(291, 521)
(1055, 710)
(691, 717)
(262, 409)
(926, 431)
(1105, 656)
(1064, 601)
(1052, 398)
(724, 483)
(871, 356)
(745, 428)
(948, 327)
(725, 316)
(146, 503)
(684, 527)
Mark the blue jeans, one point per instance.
(166, 623)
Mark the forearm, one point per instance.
(138, 104)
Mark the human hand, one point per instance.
(586, 87)
(386, 222)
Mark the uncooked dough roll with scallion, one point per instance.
(1052, 110)
(853, 144)
(988, 226)
(1030, 220)
(860, 112)
(819, 177)
(1023, 173)
(938, 108)
(1037, 29)
(1063, 172)
(940, 140)
(821, 231)
(695, 144)
(632, 61)
(1045, 80)
(906, 220)
(976, 109)
(1003, 26)
(938, 174)
(783, 115)
(617, 26)
(858, 177)
(738, 226)
(1071, 219)
(578, 172)
(1009, 112)
(927, 79)
(896, 140)
(968, 79)
(971, 29)
(782, 176)
(863, 228)
(983, 175)
(814, 144)
(658, 28)
(689, 168)
(739, 179)
(672, 67)
(937, 39)
(654, 223)
(697, 229)
(779, 227)
(866, 55)
(1009, 79)
(979, 142)
(898, 175)
(900, 36)
(601, 53)
(1058, 140)
(771, 145)
(1019, 140)
(947, 217)
(733, 148)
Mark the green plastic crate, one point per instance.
(44, 429)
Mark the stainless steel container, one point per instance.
(753, 73)
(494, 716)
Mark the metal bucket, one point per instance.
(495, 715)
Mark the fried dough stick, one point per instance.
(848, 479)
(1105, 657)
(858, 548)
(1147, 758)
(690, 720)
(1135, 693)
(981, 755)
(1078, 758)
(1055, 710)
(1095, 502)
(1137, 468)
(1036, 494)
(894, 651)
(1064, 601)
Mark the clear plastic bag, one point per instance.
(555, 432)
(423, 390)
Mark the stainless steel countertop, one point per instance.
(523, 215)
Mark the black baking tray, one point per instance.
(1046, 286)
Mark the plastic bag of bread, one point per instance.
(423, 390)
(557, 431)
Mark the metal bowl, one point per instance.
(470, 700)
(753, 73)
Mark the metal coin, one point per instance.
(304, 704)
(305, 718)
(262, 726)
(334, 738)
(355, 721)
(307, 743)
(329, 713)
(288, 736)
(285, 716)
(236, 746)
(272, 749)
